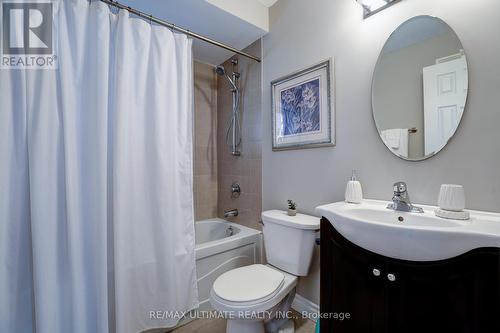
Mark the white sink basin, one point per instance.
(411, 236)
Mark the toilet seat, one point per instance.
(249, 284)
(265, 303)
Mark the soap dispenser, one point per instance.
(353, 191)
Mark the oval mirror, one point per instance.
(420, 87)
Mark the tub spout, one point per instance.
(230, 213)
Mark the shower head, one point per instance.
(220, 70)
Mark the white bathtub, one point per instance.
(217, 251)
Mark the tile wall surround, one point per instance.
(205, 156)
(215, 169)
(247, 168)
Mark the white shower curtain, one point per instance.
(96, 203)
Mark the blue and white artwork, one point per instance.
(303, 108)
(300, 108)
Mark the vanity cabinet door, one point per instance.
(349, 284)
(459, 295)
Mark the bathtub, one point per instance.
(220, 247)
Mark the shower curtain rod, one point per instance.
(179, 29)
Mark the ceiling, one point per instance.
(237, 23)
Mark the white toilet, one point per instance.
(255, 298)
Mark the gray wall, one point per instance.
(398, 86)
(305, 32)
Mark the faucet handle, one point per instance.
(400, 187)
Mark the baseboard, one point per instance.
(302, 304)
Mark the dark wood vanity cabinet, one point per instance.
(457, 295)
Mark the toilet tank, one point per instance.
(289, 240)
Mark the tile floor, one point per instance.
(219, 326)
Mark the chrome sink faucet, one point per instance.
(401, 200)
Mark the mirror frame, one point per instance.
(373, 83)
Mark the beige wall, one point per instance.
(205, 159)
(305, 32)
(247, 168)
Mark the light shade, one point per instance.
(374, 6)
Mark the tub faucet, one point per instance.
(401, 200)
(230, 213)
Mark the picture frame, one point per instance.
(303, 112)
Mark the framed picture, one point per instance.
(303, 114)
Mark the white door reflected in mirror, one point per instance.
(420, 87)
(445, 93)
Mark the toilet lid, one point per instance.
(248, 283)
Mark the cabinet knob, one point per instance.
(391, 277)
(376, 272)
